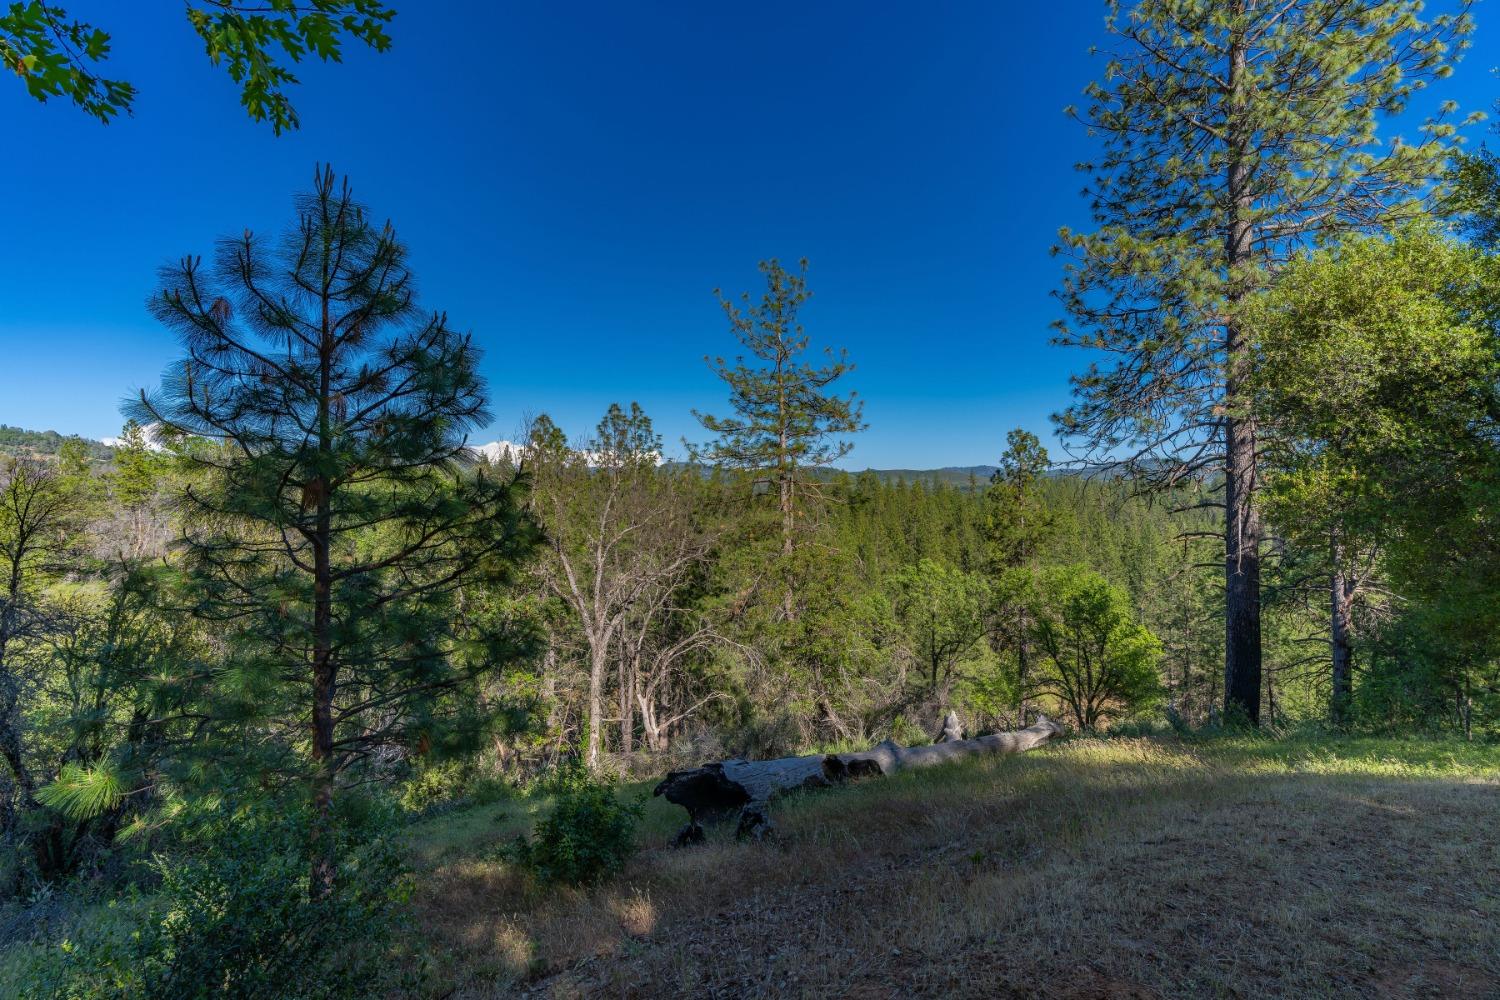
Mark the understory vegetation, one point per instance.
(1099, 867)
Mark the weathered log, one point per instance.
(953, 729)
(716, 791)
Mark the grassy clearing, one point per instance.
(1123, 867)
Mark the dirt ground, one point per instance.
(1097, 868)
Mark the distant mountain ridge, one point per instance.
(948, 475)
(18, 440)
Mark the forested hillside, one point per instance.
(18, 441)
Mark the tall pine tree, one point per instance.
(331, 521)
(786, 423)
(1232, 134)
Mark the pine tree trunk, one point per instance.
(1242, 650)
(788, 547)
(324, 676)
(324, 683)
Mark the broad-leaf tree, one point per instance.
(941, 612)
(1231, 134)
(56, 55)
(621, 535)
(39, 515)
(1095, 659)
(1376, 370)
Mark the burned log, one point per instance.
(716, 791)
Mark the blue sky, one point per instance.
(575, 179)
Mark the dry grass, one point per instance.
(1096, 868)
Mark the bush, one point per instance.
(233, 918)
(587, 836)
(434, 787)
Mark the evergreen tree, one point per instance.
(1017, 523)
(786, 422)
(1233, 133)
(135, 484)
(331, 525)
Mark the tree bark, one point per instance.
(325, 679)
(1341, 602)
(598, 664)
(1242, 647)
(627, 702)
(654, 735)
(714, 792)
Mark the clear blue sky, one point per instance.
(575, 179)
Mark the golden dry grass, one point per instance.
(1095, 868)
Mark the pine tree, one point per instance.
(1232, 133)
(786, 422)
(134, 485)
(331, 523)
(1017, 524)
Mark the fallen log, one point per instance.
(953, 729)
(716, 791)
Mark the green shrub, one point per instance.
(587, 836)
(233, 918)
(439, 785)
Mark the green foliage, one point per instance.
(1095, 658)
(1377, 394)
(784, 415)
(19, 441)
(1231, 137)
(1372, 351)
(233, 916)
(942, 612)
(56, 56)
(335, 535)
(1016, 522)
(586, 837)
(1473, 198)
(786, 422)
(52, 55)
(138, 471)
(448, 782)
(82, 793)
